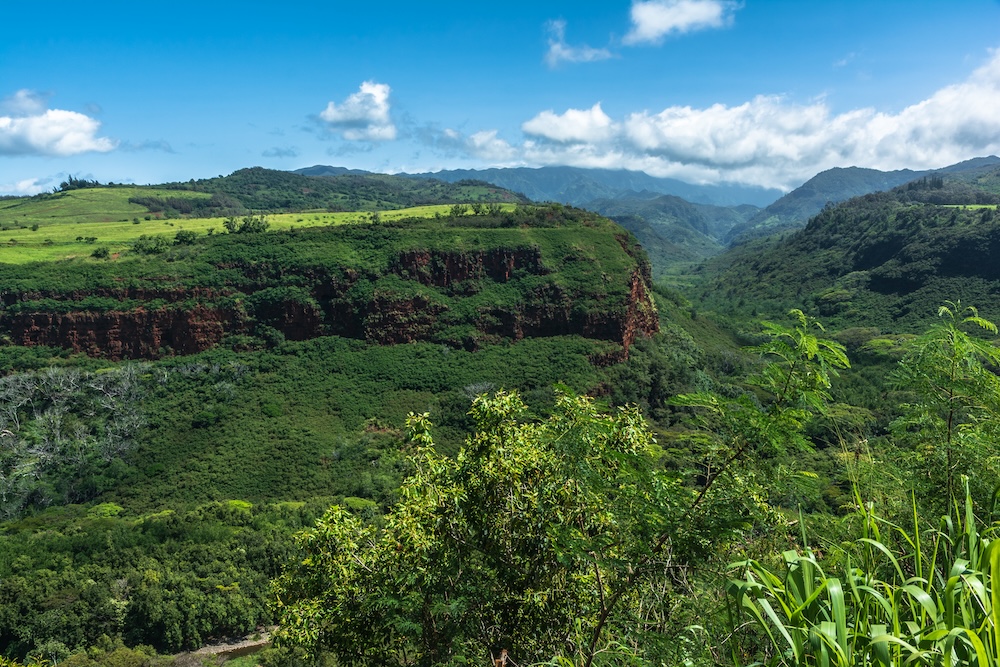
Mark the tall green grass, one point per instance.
(903, 597)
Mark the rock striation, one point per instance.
(420, 295)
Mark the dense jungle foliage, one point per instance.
(881, 260)
(797, 479)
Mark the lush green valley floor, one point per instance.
(153, 501)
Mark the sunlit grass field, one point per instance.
(75, 223)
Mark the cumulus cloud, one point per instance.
(28, 186)
(364, 115)
(561, 52)
(489, 146)
(652, 20)
(575, 125)
(28, 128)
(485, 145)
(767, 141)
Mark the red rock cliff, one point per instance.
(380, 316)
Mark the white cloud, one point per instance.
(51, 132)
(24, 103)
(587, 125)
(560, 52)
(767, 141)
(652, 20)
(28, 186)
(488, 146)
(364, 115)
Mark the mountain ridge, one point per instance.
(881, 259)
(835, 185)
(576, 185)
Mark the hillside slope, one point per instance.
(836, 185)
(262, 189)
(884, 259)
(672, 230)
(462, 281)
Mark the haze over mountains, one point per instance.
(679, 222)
(577, 186)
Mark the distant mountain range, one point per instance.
(679, 222)
(882, 259)
(672, 229)
(836, 185)
(576, 186)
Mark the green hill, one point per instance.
(172, 413)
(836, 185)
(885, 259)
(270, 190)
(254, 189)
(459, 280)
(74, 222)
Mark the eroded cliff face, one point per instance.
(134, 334)
(444, 269)
(167, 323)
(553, 312)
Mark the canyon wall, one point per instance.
(152, 323)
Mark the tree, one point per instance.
(150, 245)
(512, 545)
(185, 237)
(251, 223)
(793, 388)
(953, 419)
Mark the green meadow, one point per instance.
(73, 224)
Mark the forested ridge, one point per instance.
(271, 190)
(789, 462)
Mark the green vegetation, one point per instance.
(462, 280)
(898, 597)
(272, 191)
(151, 503)
(556, 538)
(69, 219)
(289, 431)
(270, 458)
(674, 233)
(881, 260)
(53, 226)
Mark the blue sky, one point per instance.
(762, 92)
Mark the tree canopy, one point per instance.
(511, 545)
(549, 538)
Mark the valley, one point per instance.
(195, 373)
